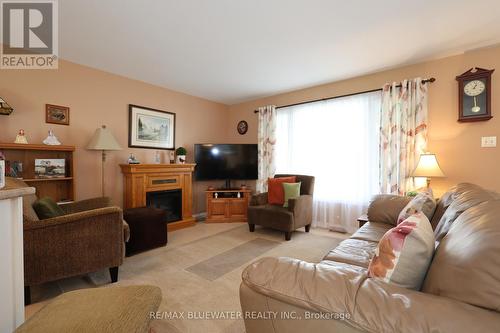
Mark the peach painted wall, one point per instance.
(457, 145)
(95, 98)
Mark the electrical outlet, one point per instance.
(488, 141)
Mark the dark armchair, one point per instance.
(297, 215)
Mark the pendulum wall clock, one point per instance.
(474, 93)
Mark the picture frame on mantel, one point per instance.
(151, 128)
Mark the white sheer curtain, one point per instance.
(337, 141)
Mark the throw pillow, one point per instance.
(292, 191)
(275, 193)
(423, 202)
(404, 253)
(47, 208)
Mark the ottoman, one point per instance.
(148, 229)
(97, 310)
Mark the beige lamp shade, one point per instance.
(103, 140)
(428, 166)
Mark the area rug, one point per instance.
(227, 261)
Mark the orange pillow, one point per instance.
(275, 192)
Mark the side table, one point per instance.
(362, 220)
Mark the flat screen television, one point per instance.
(225, 162)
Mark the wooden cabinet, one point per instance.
(227, 205)
(60, 189)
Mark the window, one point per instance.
(337, 141)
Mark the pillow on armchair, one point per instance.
(292, 191)
(47, 208)
(275, 191)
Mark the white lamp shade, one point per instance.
(103, 140)
(428, 166)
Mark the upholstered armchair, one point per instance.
(298, 213)
(88, 238)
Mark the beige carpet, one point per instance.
(214, 289)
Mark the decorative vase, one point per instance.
(181, 159)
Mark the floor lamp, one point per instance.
(104, 141)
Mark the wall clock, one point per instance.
(242, 127)
(474, 93)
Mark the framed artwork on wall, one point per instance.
(151, 128)
(56, 114)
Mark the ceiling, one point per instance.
(231, 51)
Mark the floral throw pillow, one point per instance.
(404, 253)
(424, 202)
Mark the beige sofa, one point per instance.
(461, 292)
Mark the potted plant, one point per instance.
(181, 155)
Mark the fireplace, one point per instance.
(141, 179)
(170, 201)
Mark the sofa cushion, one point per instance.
(385, 208)
(47, 208)
(275, 191)
(466, 265)
(292, 191)
(423, 202)
(470, 197)
(442, 205)
(446, 199)
(371, 231)
(404, 253)
(353, 252)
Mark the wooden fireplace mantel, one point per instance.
(140, 179)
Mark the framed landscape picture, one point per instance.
(50, 168)
(56, 114)
(151, 128)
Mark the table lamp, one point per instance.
(428, 167)
(104, 141)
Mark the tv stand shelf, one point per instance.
(226, 206)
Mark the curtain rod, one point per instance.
(430, 80)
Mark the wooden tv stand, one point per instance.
(225, 206)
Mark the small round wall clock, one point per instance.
(242, 127)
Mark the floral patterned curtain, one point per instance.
(266, 144)
(403, 134)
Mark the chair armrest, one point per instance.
(73, 244)
(258, 199)
(301, 207)
(83, 205)
(385, 208)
